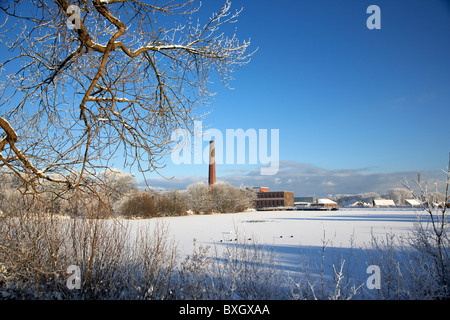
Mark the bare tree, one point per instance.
(72, 99)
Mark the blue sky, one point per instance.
(372, 103)
(357, 110)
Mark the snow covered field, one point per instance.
(248, 255)
(294, 236)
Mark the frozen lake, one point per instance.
(294, 236)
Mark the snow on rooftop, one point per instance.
(413, 202)
(326, 201)
(384, 202)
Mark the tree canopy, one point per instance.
(85, 82)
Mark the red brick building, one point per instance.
(271, 199)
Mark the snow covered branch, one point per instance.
(120, 84)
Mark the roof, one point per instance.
(326, 201)
(413, 202)
(384, 202)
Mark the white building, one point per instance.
(325, 203)
(413, 202)
(383, 203)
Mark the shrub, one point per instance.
(223, 198)
(229, 199)
(171, 203)
(139, 204)
(199, 198)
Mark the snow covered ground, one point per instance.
(316, 255)
(294, 236)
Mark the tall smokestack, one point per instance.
(212, 164)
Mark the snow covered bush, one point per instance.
(199, 198)
(115, 184)
(154, 263)
(430, 238)
(32, 251)
(431, 245)
(244, 270)
(229, 199)
(37, 249)
(13, 198)
(222, 198)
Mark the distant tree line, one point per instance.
(117, 195)
(198, 198)
(398, 195)
(341, 199)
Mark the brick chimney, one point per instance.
(212, 164)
